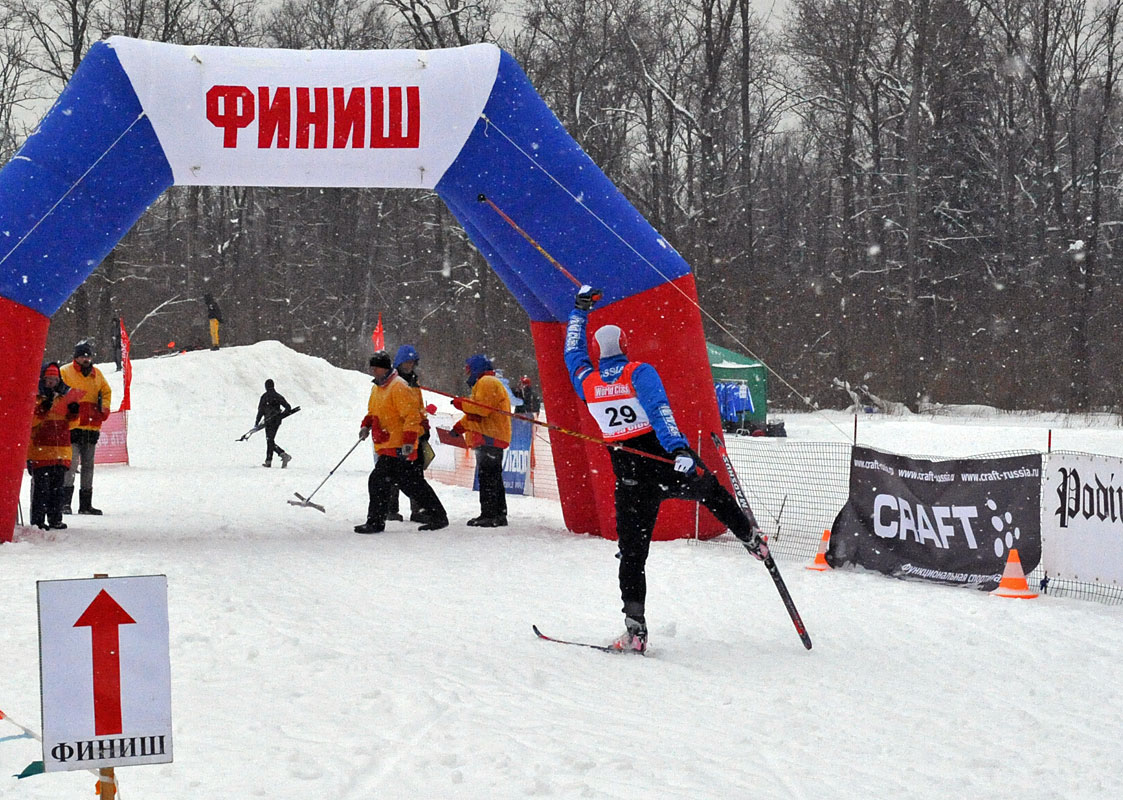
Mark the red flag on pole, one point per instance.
(378, 337)
(127, 366)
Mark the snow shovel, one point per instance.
(257, 428)
(307, 501)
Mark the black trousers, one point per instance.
(489, 470)
(271, 446)
(420, 468)
(392, 473)
(642, 484)
(46, 494)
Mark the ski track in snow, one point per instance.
(308, 661)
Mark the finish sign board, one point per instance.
(105, 672)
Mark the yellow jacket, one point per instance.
(93, 403)
(490, 427)
(393, 415)
(50, 432)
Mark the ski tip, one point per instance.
(537, 632)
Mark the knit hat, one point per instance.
(476, 366)
(51, 371)
(381, 359)
(268, 383)
(407, 352)
(610, 340)
(83, 348)
(526, 380)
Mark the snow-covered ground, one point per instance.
(310, 662)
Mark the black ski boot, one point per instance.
(67, 497)
(85, 503)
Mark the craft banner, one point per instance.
(1082, 523)
(951, 521)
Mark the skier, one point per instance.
(271, 409)
(393, 421)
(405, 362)
(93, 409)
(635, 413)
(48, 454)
(486, 426)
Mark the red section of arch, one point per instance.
(678, 352)
(23, 339)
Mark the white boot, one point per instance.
(634, 636)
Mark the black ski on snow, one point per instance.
(769, 562)
(602, 647)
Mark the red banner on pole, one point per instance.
(378, 338)
(127, 366)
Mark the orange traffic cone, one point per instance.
(820, 563)
(1013, 583)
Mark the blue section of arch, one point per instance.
(525, 162)
(77, 185)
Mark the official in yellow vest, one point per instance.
(393, 422)
(486, 426)
(48, 452)
(93, 397)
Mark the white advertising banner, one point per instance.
(105, 672)
(1082, 517)
(233, 116)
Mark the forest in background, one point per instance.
(921, 196)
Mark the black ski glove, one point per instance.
(587, 298)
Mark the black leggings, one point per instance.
(642, 484)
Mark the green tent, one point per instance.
(731, 367)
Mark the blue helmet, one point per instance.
(407, 352)
(476, 366)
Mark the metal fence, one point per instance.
(797, 488)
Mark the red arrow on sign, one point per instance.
(103, 617)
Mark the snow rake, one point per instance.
(306, 502)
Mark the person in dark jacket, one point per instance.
(629, 404)
(115, 337)
(525, 392)
(214, 317)
(271, 408)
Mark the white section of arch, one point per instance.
(311, 142)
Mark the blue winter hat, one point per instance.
(407, 352)
(476, 366)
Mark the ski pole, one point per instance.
(559, 428)
(768, 561)
(307, 501)
(484, 199)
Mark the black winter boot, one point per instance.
(85, 502)
(67, 497)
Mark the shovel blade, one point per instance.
(306, 503)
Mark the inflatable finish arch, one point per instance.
(139, 116)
